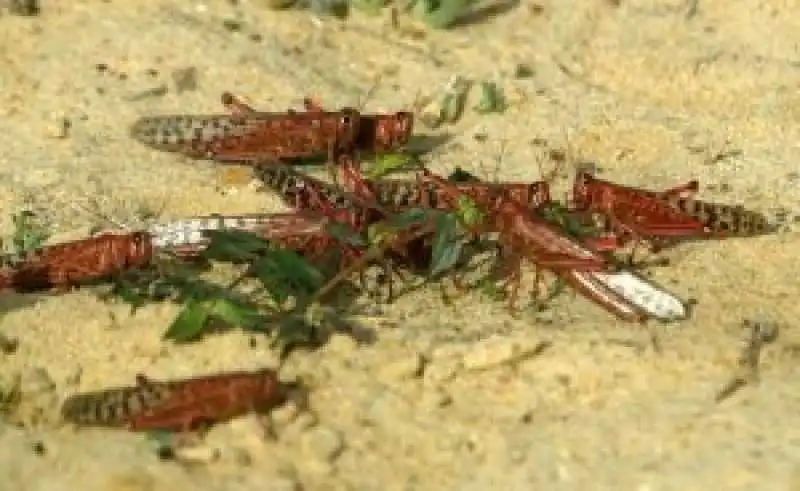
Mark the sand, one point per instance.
(462, 396)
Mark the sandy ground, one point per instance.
(651, 90)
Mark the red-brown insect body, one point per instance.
(606, 298)
(662, 216)
(210, 399)
(547, 245)
(304, 192)
(542, 242)
(71, 263)
(515, 198)
(524, 234)
(516, 204)
(399, 194)
(253, 136)
(350, 209)
(249, 135)
(377, 133)
(317, 246)
(179, 405)
(720, 220)
(632, 212)
(187, 237)
(115, 406)
(306, 235)
(418, 252)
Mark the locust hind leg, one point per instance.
(618, 227)
(660, 237)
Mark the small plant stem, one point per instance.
(372, 253)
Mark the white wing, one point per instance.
(657, 302)
(190, 231)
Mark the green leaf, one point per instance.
(468, 211)
(233, 313)
(558, 214)
(29, 234)
(233, 245)
(278, 289)
(190, 322)
(411, 217)
(446, 246)
(299, 270)
(285, 273)
(454, 98)
(491, 99)
(386, 230)
(130, 293)
(452, 107)
(387, 163)
(380, 233)
(299, 328)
